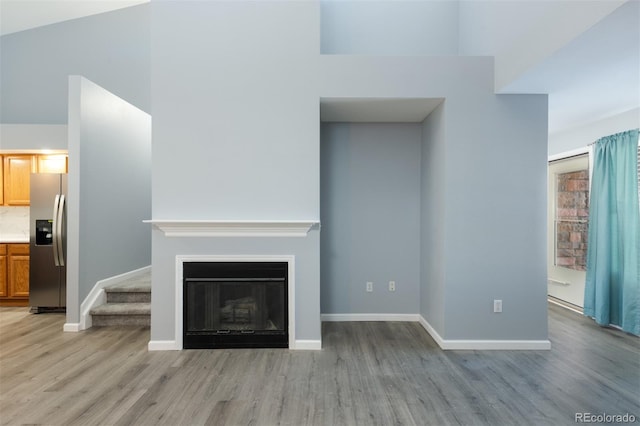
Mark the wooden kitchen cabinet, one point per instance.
(52, 163)
(18, 270)
(3, 270)
(1, 181)
(14, 289)
(17, 174)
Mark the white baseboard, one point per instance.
(498, 345)
(307, 345)
(163, 345)
(483, 345)
(97, 295)
(432, 331)
(71, 327)
(370, 317)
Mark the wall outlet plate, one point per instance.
(392, 286)
(497, 306)
(369, 286)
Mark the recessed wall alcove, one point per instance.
(370, 205)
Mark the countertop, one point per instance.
(13, 238)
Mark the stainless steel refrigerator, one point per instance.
(47, 270)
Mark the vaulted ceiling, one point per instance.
(584, 54)
(19, 15)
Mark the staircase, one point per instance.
(128, 304)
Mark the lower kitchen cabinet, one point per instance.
(3, 271)
(14, 274)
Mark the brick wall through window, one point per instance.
(572, 215)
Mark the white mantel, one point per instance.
(233, 228)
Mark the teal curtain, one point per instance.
(612, 291)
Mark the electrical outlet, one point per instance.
(392, 286)
(497, 306)
(369, 286)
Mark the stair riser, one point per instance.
(128, 297)
(121, 320)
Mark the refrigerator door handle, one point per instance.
(59, 230)
(54, 233)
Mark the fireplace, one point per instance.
(235, 305)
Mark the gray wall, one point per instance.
(33, 136)
(236, 89)
(235, 110)
(389, 27)
(243, 143)
(111, 49)
(432, 219)
(370, 214)
(235, 136)
(493, 160)
(495, 243)
(109, 189)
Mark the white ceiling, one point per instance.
(373, 110)
(19, 15)
(594, 76)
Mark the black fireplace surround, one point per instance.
(235, 305)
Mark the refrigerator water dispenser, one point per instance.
(44, 232)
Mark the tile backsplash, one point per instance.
(14, 222)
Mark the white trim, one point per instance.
(558, 282)
(307, 345)
(497, 345)
(568, 154)
(97, 295)
(432, 332)
(163, 345)
(507, 345)
(233, 228)
(566, 305)
(370, 317)
(71, 327)
(180, 259)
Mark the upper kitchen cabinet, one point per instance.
(1, 182)
(52, 163)
(17, 172)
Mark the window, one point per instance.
(571, 219)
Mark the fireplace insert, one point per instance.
(235, 305)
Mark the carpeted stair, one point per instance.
(128, 303)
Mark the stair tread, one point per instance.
(137, 284)
(122, 309)
(131, 288)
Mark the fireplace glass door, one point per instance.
(235, 305)
(224, 305)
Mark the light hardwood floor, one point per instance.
(367, 374)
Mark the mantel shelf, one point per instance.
(234, 228)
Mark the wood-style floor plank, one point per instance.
(366, 374)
